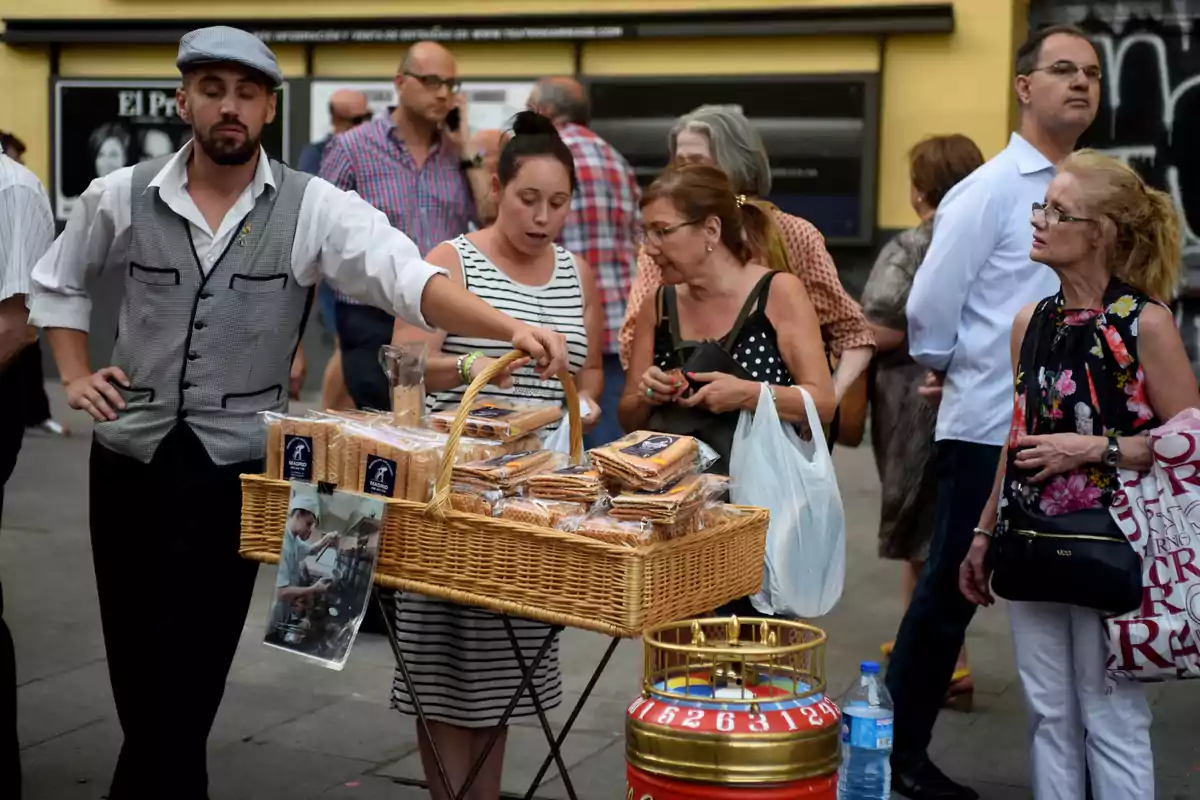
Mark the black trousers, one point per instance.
(35, 405)
(935, 624)
(173, 598)
(13, 378)
(362, 330)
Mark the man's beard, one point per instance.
(223, 150)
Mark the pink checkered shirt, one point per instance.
(604, 217)
(431, 204)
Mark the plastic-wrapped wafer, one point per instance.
(472, 501)
(531, 511)
(305, 449)
(404, 364)
(646, 460)
(609, 529)
(679, 500)
(274, 455)
(508, 471)
(579, 483)
(501, 419)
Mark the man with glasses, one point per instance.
(975, 277)
(416, 165)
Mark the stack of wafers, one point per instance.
(616, 531)
(543, 513)
(500, 419)
(645, 460)
(679, 501)
(507, 472)
(577, 484)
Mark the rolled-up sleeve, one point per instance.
(96, 238)
(345, 240)
(26, 233)
(964, 237)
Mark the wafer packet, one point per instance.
(581, 483)
(298, 448)
(501, 419)
(679, 501)
(507, 472)
(335, 461)
(531, 511)
(605, 528)
(471, 500)
(648, 461)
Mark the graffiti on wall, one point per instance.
(1150, 108)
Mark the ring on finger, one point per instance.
(649, 392)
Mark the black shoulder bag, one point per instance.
(1080, 558)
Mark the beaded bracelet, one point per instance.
(464, 366)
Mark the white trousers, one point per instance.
(1073, 713)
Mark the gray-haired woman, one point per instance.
(721, 136)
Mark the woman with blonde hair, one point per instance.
(1097, 366)
(721, 136)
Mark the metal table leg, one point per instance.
(526, 685)
(556, 744)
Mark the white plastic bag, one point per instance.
(1159, 513)
(559, 439)
(773, 468)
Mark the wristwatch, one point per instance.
(1112, 453)
(474, 162)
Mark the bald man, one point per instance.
(417, 166)
(601, 227)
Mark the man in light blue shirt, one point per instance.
(975, 277)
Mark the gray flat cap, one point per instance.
(221, 44)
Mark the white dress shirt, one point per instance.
(975, 277)
(339, 238)
(26, 226)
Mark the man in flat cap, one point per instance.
(219, 247)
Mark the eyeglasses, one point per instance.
(1068, 69)
(655, 236)
(435, 82)
(1052, 216)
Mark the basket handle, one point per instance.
(441, 495)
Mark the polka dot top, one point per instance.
(754, 346)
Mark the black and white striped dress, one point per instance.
(460, 658)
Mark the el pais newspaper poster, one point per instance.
(102, 126)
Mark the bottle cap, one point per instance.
(870, 667)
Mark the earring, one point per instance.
(708, 248)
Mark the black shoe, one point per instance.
(924, 781)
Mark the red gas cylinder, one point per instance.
(737, 713)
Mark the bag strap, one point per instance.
(759, 292)
(670, 309)
(1028, 359)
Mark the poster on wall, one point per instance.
(490, 104)
(102, 126)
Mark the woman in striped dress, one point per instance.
(463, 667)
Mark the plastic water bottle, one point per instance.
(867, 713)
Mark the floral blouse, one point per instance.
(1090, 382)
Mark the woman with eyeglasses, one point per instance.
(721, 136)
(722, 307)
(1097, 366)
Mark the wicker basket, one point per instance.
(539, 573)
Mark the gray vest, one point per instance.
(207, 351)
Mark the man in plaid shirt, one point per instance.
(601, 228)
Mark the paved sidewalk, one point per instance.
(289, 729)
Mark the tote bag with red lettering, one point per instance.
(1159, 512)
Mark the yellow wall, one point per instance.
(784, 55)
(349, 9)
(491, 60)
(930, 83)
